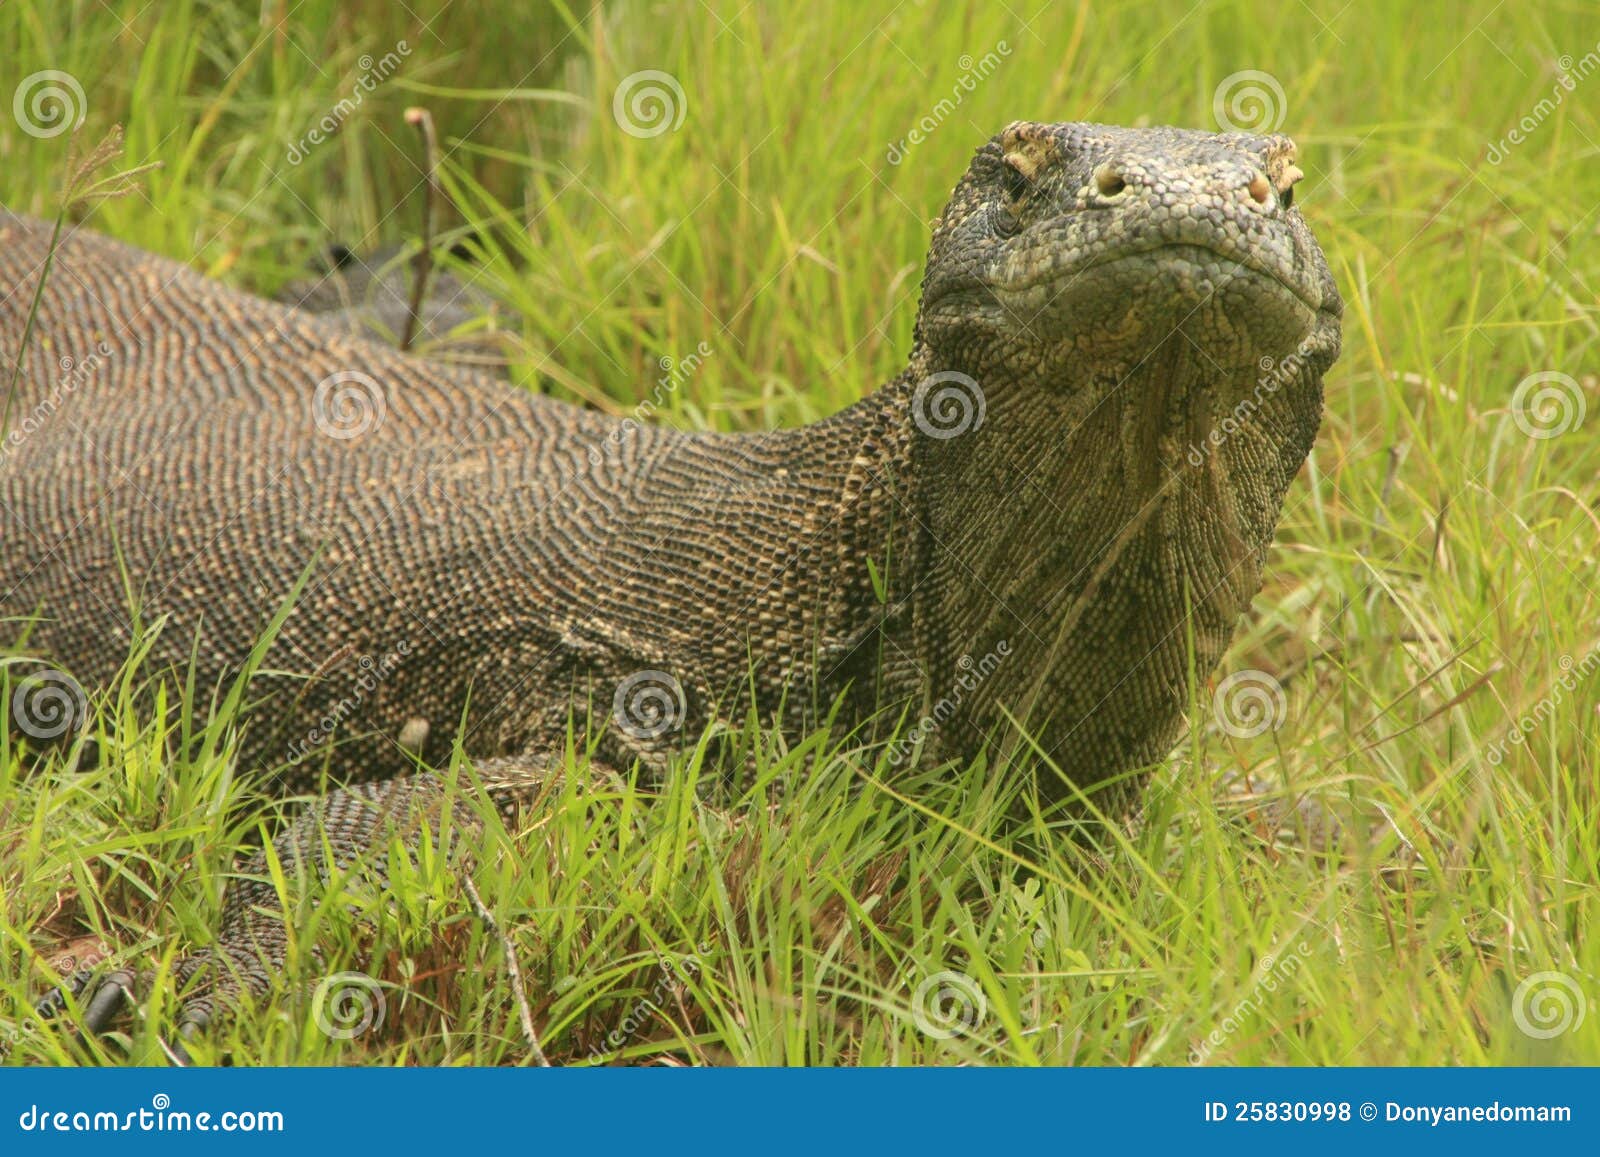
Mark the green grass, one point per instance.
(1432, 577)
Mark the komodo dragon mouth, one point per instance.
(1199, 256)
(1070, 490)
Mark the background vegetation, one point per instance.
(1430, 613)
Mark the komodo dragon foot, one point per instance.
(111, 990)
(347, 832)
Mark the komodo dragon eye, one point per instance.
(1016, 179)
(1016, 182)
(1286, 183)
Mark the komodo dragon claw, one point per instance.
(110, 993)
(115, 990)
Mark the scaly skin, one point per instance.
(1070, 489)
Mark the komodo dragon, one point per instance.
(1078, 472)
(372, 295)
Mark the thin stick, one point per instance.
(81, 189)
(513, 974)
(27, 328)
(423, 119)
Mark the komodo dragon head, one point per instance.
(1120, 351)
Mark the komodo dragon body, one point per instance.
(1075, 478)
(372, 295)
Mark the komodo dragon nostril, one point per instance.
(1108, 179)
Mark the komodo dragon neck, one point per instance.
(1069, 585)
(1106, 404)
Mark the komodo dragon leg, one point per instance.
(347, 830)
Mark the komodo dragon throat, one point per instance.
(1115, 375)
